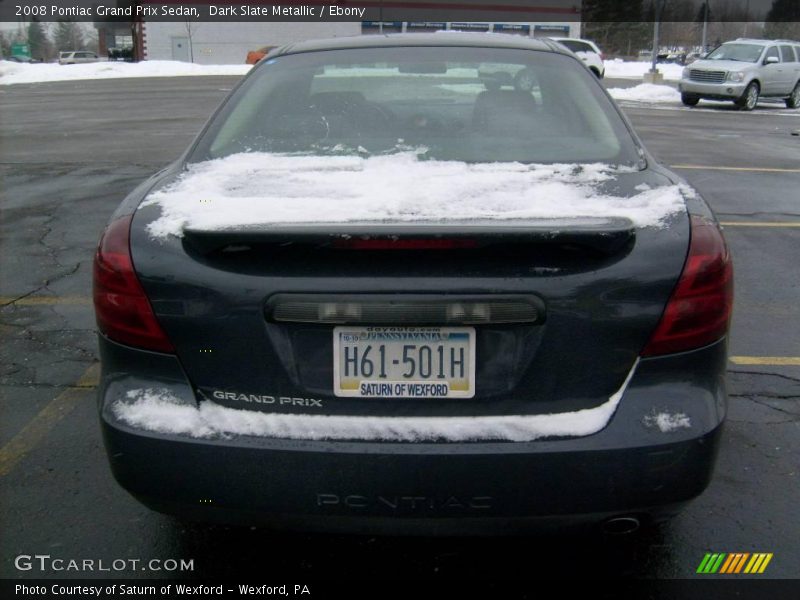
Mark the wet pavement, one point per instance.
(70, 153)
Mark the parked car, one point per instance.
(678, 58)
(256, 55)
(76, 57)
(588, 52)
(743, 71)
(694, 56)
(381, 292)
(22, 59)
(121, 54)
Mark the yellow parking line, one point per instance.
(35, 431)
(745, 169)
(45, 300)
(760, 223)
(772, 361)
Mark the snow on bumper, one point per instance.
(157, 410)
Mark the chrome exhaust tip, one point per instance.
(621, 525)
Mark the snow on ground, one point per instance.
(646, 92)
(623, 69)
(13, 72)
(158, 410)
(251, 189)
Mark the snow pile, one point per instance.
(622, 69)
(667, 422)
(646, 92)
(157, 410)
(13, 72)
(160, 410)
(471, 89)
(251, 189)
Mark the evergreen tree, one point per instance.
(704, 7)
(616, 26)
(38, 41)
(783, 20)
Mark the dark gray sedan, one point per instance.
(414, 283)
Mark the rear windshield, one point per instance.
(740, 52)
(467, 104)
(576, 46)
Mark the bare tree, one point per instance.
(5, 44)
(68, 35)
(191, 29)
(92, 40)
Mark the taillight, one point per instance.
(123, 311)
(699, 310)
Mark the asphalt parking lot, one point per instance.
(69, 153)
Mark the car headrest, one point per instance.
(493, 107)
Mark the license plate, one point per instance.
(404, 362)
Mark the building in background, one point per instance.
(209, 43)
(228, 43)
(548, 29)
(120, 39)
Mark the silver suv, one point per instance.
(744, 70)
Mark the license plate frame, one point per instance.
(456, 361)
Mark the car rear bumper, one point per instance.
(716, 91)
(632, 466)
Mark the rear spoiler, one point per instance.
(607, 235)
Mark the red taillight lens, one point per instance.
(123, 311)
(699, 310)
(406, 244)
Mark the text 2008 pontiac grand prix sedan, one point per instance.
(415, 283)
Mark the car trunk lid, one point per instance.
(594, 289)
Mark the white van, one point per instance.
(75, 57)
